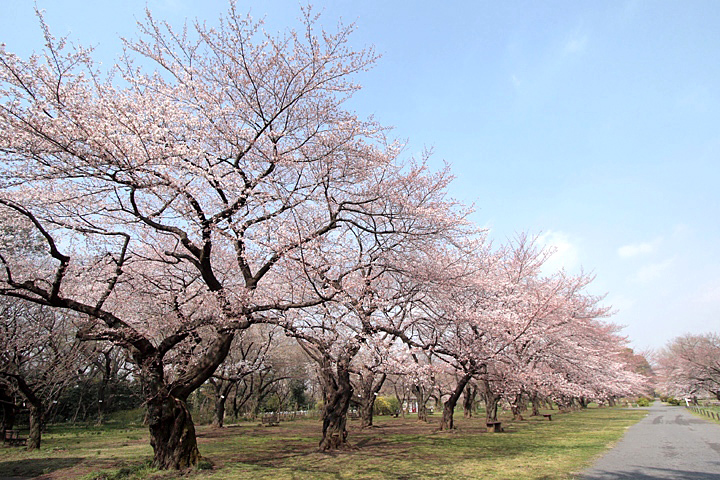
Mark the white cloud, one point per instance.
(652, 271)
(637, 249)
(566, 255)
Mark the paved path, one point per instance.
(669, 443)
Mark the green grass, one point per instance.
(396, 448)
(712, 408)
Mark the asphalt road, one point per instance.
(669, 443)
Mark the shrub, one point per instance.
(386, 405)
(135, 416)
(643, 402)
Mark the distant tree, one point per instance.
(246, 357)
(469, 396)
(370, 375)
(9, 407)
(39, 359)
(689, 366)
(262, 362)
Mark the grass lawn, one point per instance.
(396, 448)
(713, 408)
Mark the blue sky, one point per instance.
(593, 124)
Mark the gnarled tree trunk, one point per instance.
(337, 392)
(172, 432)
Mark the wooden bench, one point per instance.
(548, 416)
(270, 420)
(353, 416)
(494, 427)
(13, 438)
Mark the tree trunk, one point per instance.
(102, 389)
(8, 409)
(535, 400)
(421, 397)
(221, 389)
(517, 407)
(400, 400)
(447, 423)
(369, 390)
(8, 418)
(36, 415)
(337, 392)
(491, 406)
(334, 433)
(469, 400)
(36, 412)
(172, 433)
(219, 416)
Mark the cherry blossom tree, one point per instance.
(370, 372)
(469, 396)
(368, 275)
(39, 358)
(689, 366)
(174, 195)
(248, 356)
(520, 333)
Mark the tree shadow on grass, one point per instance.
(34, 467)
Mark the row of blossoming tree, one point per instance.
(214, 180)
(689, 366)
